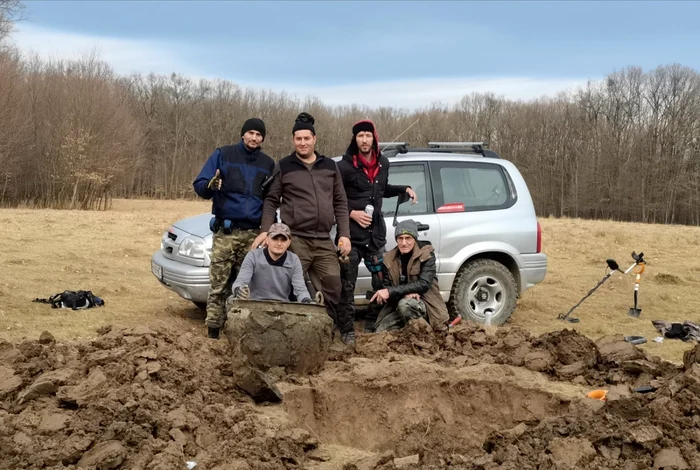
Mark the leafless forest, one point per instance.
(75, 135)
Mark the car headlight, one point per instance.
(192, 247)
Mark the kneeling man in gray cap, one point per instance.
(273, 272)
(409, 283)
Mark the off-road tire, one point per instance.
(468, 276)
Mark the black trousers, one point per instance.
(348, 278)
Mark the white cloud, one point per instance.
(423, 92)
(124, 55)
(146, 55)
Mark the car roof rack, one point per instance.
(460, 147)
(392, 149)
(393, 144)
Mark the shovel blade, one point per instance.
(634, 312)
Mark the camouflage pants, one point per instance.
(227, 256)
(391, 318)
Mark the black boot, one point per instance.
(348, 338)
(214, 333)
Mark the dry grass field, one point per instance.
(48, 251)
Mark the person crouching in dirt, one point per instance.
(271, 273)
(233, 177)
(410, 285)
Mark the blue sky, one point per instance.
(396, 53)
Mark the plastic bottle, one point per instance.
(488, 316)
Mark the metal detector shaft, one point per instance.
(600, 283)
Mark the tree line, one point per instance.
(73, 134)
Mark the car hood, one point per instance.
(197, 225)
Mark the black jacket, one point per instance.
(360, 192)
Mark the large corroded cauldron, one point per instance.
(291, 335)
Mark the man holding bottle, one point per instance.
(365, 175)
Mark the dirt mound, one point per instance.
(565, 354)
(656, 430)
(474, 398)
(134, 398)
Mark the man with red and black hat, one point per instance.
(366, 180)
(233, 178)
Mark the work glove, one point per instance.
(306, 300)
(319, 298)
(241, 292)
(215, 182)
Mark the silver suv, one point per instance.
(473, 206)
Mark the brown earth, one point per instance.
(138, 398)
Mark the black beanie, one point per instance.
(363, 126)
(254, 124)
(304, 121)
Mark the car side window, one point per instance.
(413, 175)
(478, 186)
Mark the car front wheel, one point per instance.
(483, 288)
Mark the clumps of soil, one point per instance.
(138, 399)
(474, 398)
(655, 430)
(565, 355)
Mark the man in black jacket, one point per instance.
(366, 180)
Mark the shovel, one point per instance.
(639, 269)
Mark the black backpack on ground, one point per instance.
(75, 300)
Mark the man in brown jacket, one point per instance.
(410, 283)
(312, 201)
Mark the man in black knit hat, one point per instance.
(308, 190)
(233, 177)
(366, 180)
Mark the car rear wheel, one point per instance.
(484, 287)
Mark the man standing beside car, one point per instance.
(366, 180)
(233, 177)
(310, 188)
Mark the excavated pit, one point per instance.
(407, 405)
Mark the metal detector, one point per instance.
(613, 266)
(640, 264)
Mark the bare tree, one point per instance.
(10, 12)
(75, 135)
